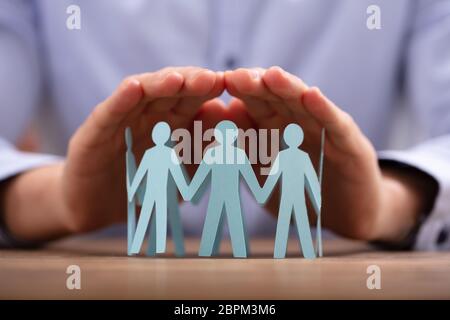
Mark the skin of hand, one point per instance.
(360, 200)
(87, 190)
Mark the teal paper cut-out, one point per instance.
(174, 218)
(158, 164)
(154, 186)
(223, 165)
(319, 248)
(174, 222)
(130, 172)
(297, 173)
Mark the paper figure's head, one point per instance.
(226, 130)
(161, 133)
(293, 135)
(128, 138)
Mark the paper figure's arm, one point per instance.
(312, 185)
(181, 180)
(271, 181)
(141, 192)
(198, 181)
(131, 171)
(250, 178)
(139, 176)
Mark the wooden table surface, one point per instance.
(107, 273)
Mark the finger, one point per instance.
(198, 82)
(246, 84)
(339, 125)
(211, 113)
(283, 84)
(106, 118)
(286, 86)
(199, 85)
(164, 83)
(273, 122)
(238, 113)
(199, 88)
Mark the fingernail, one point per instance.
(278, 68)
(135, 82)
(255, 74)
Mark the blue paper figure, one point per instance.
(319, 218)
(174, 222)
(295, 168)
(159, 164)
(130, 172)
(174, 218)
(224, 163)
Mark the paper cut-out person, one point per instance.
(224, 163)
(295, 169)
(130, 172)
(174, 219)
(174, 222)
(158, 164)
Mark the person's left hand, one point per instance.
(359, 200)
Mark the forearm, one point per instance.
(32, 205)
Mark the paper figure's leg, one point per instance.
(210, 227)
(303, 230)
(236, 226)
(219, 234)
(144, 219)
(161, 224)
(246, 236)
(176, 227)
(174, 218)
(131, 225)
(151, 248)
(282, 233)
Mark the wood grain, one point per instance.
(107, 273)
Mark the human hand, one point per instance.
(93, 178)
(359, 199)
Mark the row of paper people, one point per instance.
(154, 184)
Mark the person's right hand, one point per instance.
(361, 200)
(87, 190)
(93, 178)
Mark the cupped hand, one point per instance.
(93, 175)
(356, 198)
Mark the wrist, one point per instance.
(407, 195)
(33, 206)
